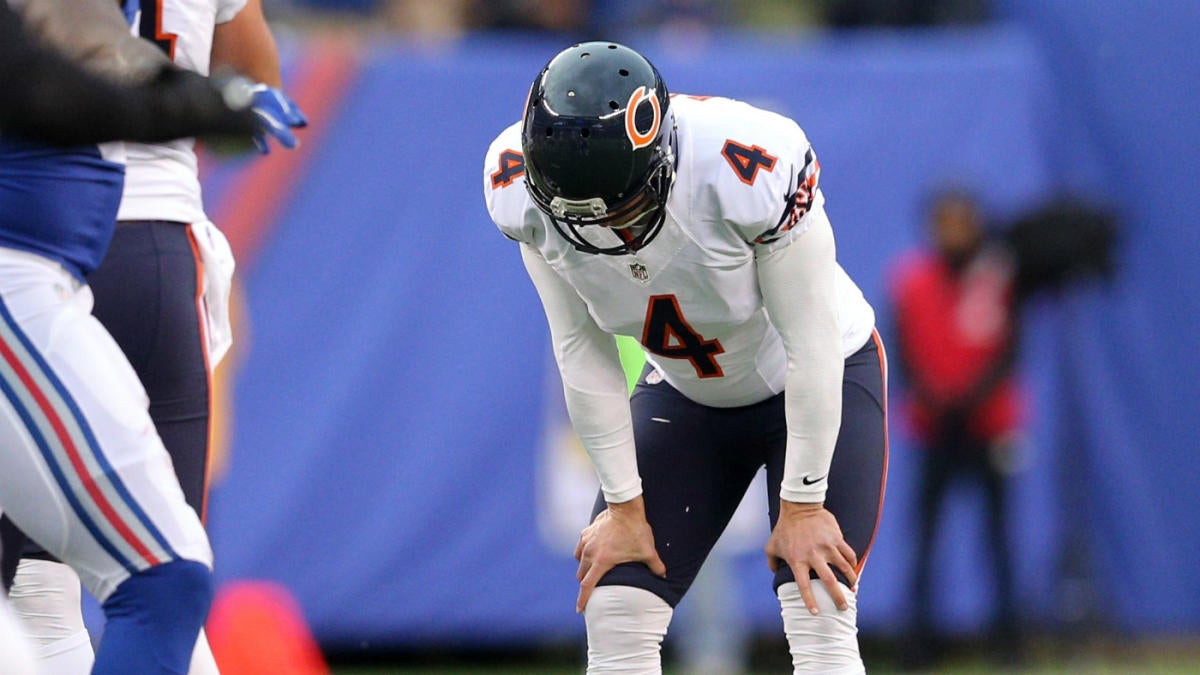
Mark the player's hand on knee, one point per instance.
(618, 534)
(807, 537)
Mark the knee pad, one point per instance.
(625, 630)
(822, 643)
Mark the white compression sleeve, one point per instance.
(824, 643)
(625, 630)
(799, 292)
(46, 596)
(593, 381)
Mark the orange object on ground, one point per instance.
(257, 627)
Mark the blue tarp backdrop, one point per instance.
(392, 409)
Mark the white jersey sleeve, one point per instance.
(799, 289)
(593, 380)
(761, 179)
(504, 187)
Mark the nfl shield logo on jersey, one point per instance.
(639, 271)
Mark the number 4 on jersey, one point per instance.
(668, 334)
(746, 161)
(150, 26)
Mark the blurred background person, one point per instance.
(956, 329)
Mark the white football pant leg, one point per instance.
(45, 597)
(625, 630)
(825, 643)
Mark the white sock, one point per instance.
(203, 662)
(45, 597)
(625, 630)
(827, 642)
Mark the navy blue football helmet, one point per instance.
(599, 144)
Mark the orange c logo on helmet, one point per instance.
(639, 139)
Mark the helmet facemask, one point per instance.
(636, 219)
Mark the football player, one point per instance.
(82, 469)
(696, 225)
(162, 290)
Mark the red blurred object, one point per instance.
(257, 627)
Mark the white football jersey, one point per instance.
(746, 181)
(161, 181)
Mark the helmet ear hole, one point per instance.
(585, 132)
(623, 72)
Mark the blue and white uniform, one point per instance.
(60, 203)
(82, 470)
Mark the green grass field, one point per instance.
(1099, 656)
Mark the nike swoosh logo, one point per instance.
(814, 481)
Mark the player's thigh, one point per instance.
(693, 480)
(84, 472)
(858, 470)
(145, 295)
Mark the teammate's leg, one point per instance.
(46, 595)
(152, 264)
(146, 294)
(85, 474)
(154, 617)
(827, 642)
(18, 653)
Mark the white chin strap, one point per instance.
(823, 643)
(625, 630)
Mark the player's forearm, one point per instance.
(798, 287)
(51, 99)
(605, 428)
(93, 33)
(246, 45)
(593, 382)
